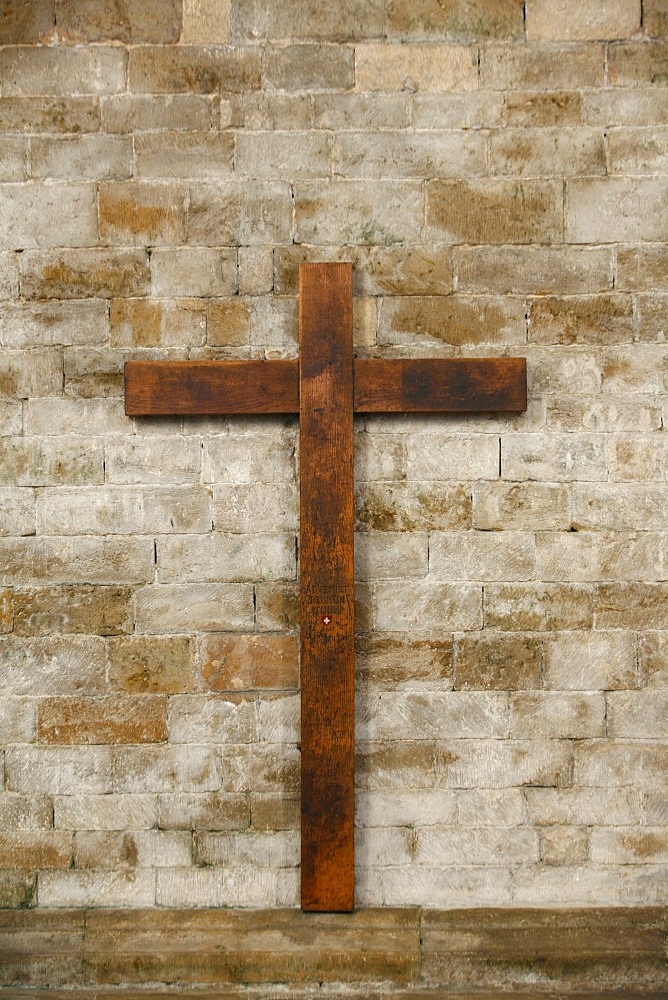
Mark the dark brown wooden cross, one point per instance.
(326, 386)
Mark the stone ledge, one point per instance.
(402, 951)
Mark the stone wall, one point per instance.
(496, 171)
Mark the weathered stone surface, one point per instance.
(481, 555)
(410, 605)
(456, 19)
(111, 510)
(143, 665)
(209, 607)
(653, 655)
(150, 323)
(637, 63)
(184, 154)
(141, 112)
(631, 605)
(88, 157)
(420, 154)
(533, 269)
(527, 108)
(209, 811)
(258, 19)
(128, 851)
(134, 22)
(397, 506)
(539, 607)
(77, 274)
(239, 213)
(152, 769)
(638, 714)
(66, 213)
(243, 662)
(511, 67)
(557, 715)
(592, 320)
(84, 609)
(568, 21)
(590, 661)
(455, 320)
(140, 213)
(193, 69)
(381, 944)
(560, 457)
(61, 70)
(50, 561)
(102, 720)
(532, 152)
(206, 23)
(439, 68)
(197, 271)
(495, 211)
(105, 812)
(58, 770)
(639, 209)
(494, 661)
(437, 456)
(383, 212)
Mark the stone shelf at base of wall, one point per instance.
(397, 952)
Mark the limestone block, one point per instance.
(245, 662)
(415, 605)
(34, 667)
(603, 413)
(206, 23)
(239, 213)
(535, 270)
(624, 846)
(133, 849)
(447, 845)
(557, 715)
(554, 457)
(600, 319)
(282, 155)
(590, 661)
(17, 511)
(456, 18)
(255, 19)
(631, 605)
(105, 812)
(412, 506)
(653, 656)
(152, 460)
(585, 555)
(400, 715)
(211, 887)
(211, 607)
(381, 659)
(308, 67)
(114, 720)
(359, 212)
(526, 108)
(503, 764)
(616, 208)
(468, 109)
(626, 106)
(18, 722)
(412, 807)
(437, 456)
(80, 889)
(418, 154)
(619, 763)
(184, 154)
(569, 21)
(193, 69)
(632, 64)
(541, 607)
(440, 68)
(87, 157)
(124, 113)
(432, 886)
(142, 665)
(83, 609)
(638, 714)
(50, 114)
(494, 661)
(478, 555)
(47, 849)
(161, 323)
(497, 807)
(495, 211)
(241, 507)
(279, 718)
(203, 811)
(50, 561)
(166, 769)
(79, 274)
(61, 70)
(578, 807)
(523, 506)
(355, 111)
(14, 159)
(383, 556)
(24, 812)
(47, 215)
(278, 849)
(58, 770)
(111, 510)
(530, 152)
(142, 212)
(255, 270)
(505, 66)
(453, 320)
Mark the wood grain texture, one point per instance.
(172, 388)
(437, 385)
(326, 588)
(440, 385)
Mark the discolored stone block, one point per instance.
(494, 661)
(141, 213)
(193, 69)
(84, 609)
(412, 506)
(568, 21)
(143, 665)
(102, 720)
(391, 67)
(456, 19)
(281, 19)
(60, 70)
(77, 274)
(184, 154)
(242, 662)
(309, 67)
(453, 320)
(539, 607)
(156, 323)
(495, 211)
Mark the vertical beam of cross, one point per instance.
(325, 387)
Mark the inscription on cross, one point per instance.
(326, 386)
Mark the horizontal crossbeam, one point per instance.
(433, 385)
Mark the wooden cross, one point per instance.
(325, 387)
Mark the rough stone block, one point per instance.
(255, 270)
(557, 457)
(505, 66)
(112, 510)
(282, 155)
(370, 111)
(23, 24)
(255, 507)
(105, 812)
(155, 323)
(527, 109)
(383, 556)
(600, 319)
(37, 215)
(638, 714)
(632, 64)
(383, 506)
(205, 719)
(38, 666)
(247, 460)
(624, 846)
(482, 555)
(418, 154)
(495, 211)
(58, 770)
(439, 457)
(523, 506)
(46, 461)
(116, 561)
(62, 70)
(143, 112)
(454, 320)
(152, 460)
(653, 657)
(631, 605)
(654, 18)
(590, 661)
(352, 19)
(140, 213)
(52, 324)
(245, 662)
(184, 154)
(49, 114)
(618, 763)
(356, 212)
(439, 68)
(137, 22)
(13, 159)
(444, 846)
(17, 719)
(6, 610)
(236, 558)
(197, 271)
(309, 67)
(91, 889)
(166, 769)
(533, 270)
(421, 605)
(381, 660)
(532, 152)
(83, 609)
(210, 811)
(192, 69)
(456, 19)
(615, 208)
(142, 665)
(239, 213)
(87, 157)
(267, 110)
(538, 607)
(553, 715)
(102, 720)
(17, 511)
(638, 459)
(194, 607)
(206, 23)
(607, 413)
(133, 849)
(80, 274)
(405, 715)
(494, 661)
(565, 20)
(26, 812)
